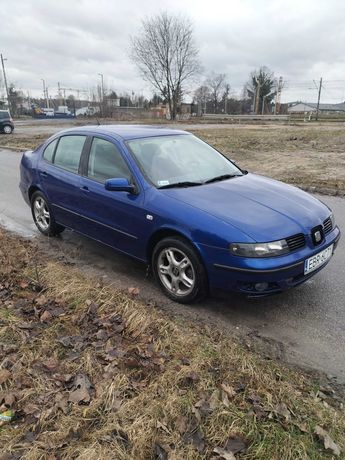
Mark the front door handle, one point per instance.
(43, 174)
(84, 188)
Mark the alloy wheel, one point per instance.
(176, 271)
(41, 213)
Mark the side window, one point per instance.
(49, 151)
(68, 152)
(106, 162)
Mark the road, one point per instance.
(304, 326)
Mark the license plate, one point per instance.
(313, 263)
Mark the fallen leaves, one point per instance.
(46, 316)
(4, 375)
(82, 364)
(234, 444)
(224, 454)
(328, 442)
(195, 438)
(160, 453)
(282, 411)
(134, 291)
(229, 390)
(81, 390)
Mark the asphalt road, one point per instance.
(305, 326)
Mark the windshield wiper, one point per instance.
(222, 177)
(181, 184)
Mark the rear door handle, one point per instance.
(84, 188)
(43, 174)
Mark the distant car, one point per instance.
(175, 203)
(6, 122)
(48, 112)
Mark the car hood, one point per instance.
(263, 208)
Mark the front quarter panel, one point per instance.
(200, 228)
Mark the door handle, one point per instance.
(84, 188)
(43, 174)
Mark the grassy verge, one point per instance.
(23, 142)
(92, 373)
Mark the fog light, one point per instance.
(261, 286)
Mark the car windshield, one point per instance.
(180, 160)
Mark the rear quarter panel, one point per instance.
(28, 173)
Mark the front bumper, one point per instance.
(257, 277)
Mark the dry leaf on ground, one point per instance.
(328, 442)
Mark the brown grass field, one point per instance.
(91, 372)
(307, 156)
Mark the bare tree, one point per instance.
(165, 53)
(201, 97)
(261, 88)
(216, 83)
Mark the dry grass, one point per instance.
(169, 382)
(311, 156)
(23, 142)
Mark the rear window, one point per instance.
(69, 151)
(49, 151)
(4, 115)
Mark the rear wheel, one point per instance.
(7, 129)
(43, 217)
(179, 270)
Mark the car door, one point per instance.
(60, 179)
(113, 217)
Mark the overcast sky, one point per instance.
(71, 41)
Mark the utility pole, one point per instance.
(45, 93)
(318, 100)
(257, 96)
(278, 96)
(60, 94)
(226, 95)
(102, 93)
(5, 81)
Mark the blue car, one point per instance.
(175, 203)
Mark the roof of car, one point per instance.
(127, 132)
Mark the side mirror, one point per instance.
(119, 185)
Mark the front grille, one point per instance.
(296, 241)
(327, 225)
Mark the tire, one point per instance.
(179, 270)
(7, 129)
(43, 217)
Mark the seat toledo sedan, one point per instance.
(175, 203)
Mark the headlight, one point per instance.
(274, 248)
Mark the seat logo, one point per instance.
(317, 236)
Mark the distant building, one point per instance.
(310, 107)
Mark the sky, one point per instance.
(73, 41)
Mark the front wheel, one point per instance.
(43, 217)
(7, 129)
(179, 270)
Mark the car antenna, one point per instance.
(98, 123)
